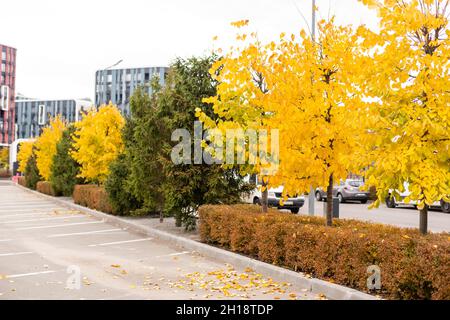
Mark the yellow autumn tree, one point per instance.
(25, 151)
(98, 141)
(309, 91)
(46, 146)
(242, 84)
(4, 158)
(409, 124)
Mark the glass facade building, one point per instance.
(7, 93)
(117, 85)
(33, 115)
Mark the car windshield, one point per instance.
(355, 183)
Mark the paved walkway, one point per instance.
(50, 252)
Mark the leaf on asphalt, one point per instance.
(115, 265)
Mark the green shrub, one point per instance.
(46, 188)
(64, 169)
(412, 266)
(32, 176)
(92, 196)
(121, 199)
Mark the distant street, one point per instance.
(407, 217)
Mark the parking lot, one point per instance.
(46, 250)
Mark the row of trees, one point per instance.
(144, 178)
(66, 155)
(349, 100)
(131, 157)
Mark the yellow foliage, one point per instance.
(25, 151)
(409, 124)
(4, 157)
(98, 141)
(309, 91)
(46, 146)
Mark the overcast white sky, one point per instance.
(61, 43)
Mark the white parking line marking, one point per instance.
(37, 210)
(14, 253)
(173, 254)
(23, 214)
(15, 204)
(81, 233)
(118, 242)
(43, 219)
(26, 204)
(60, 225)
(5, 240)
(29, 274)
(20, 207)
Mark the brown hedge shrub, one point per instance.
(21, 180)
(412, 266)
(5, 173)
(92, 196)
(46, 188)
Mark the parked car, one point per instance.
(274, 198)
(398, 199)
(349, 189)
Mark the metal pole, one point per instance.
(105, 76)
(313, 21)
(311, 197)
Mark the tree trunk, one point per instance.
(330, 201)
(264, 197)
(423, 224)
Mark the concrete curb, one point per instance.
(316, 286)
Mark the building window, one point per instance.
(4, 98)
(41, 115)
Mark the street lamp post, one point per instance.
(311, 198)
(104, 77)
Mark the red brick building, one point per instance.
(7, 94)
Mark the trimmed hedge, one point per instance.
(412, 266)
(4, 173)
(46, 188)
(92, 196)
(22, 181)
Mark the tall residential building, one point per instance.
(117, 85)
(7, 93)
(33, 115)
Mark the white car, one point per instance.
(399, 200)
(274, 198)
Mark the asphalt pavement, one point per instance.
(405, 216)
(50, 252)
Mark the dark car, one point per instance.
(349, 189)
(292, 203)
